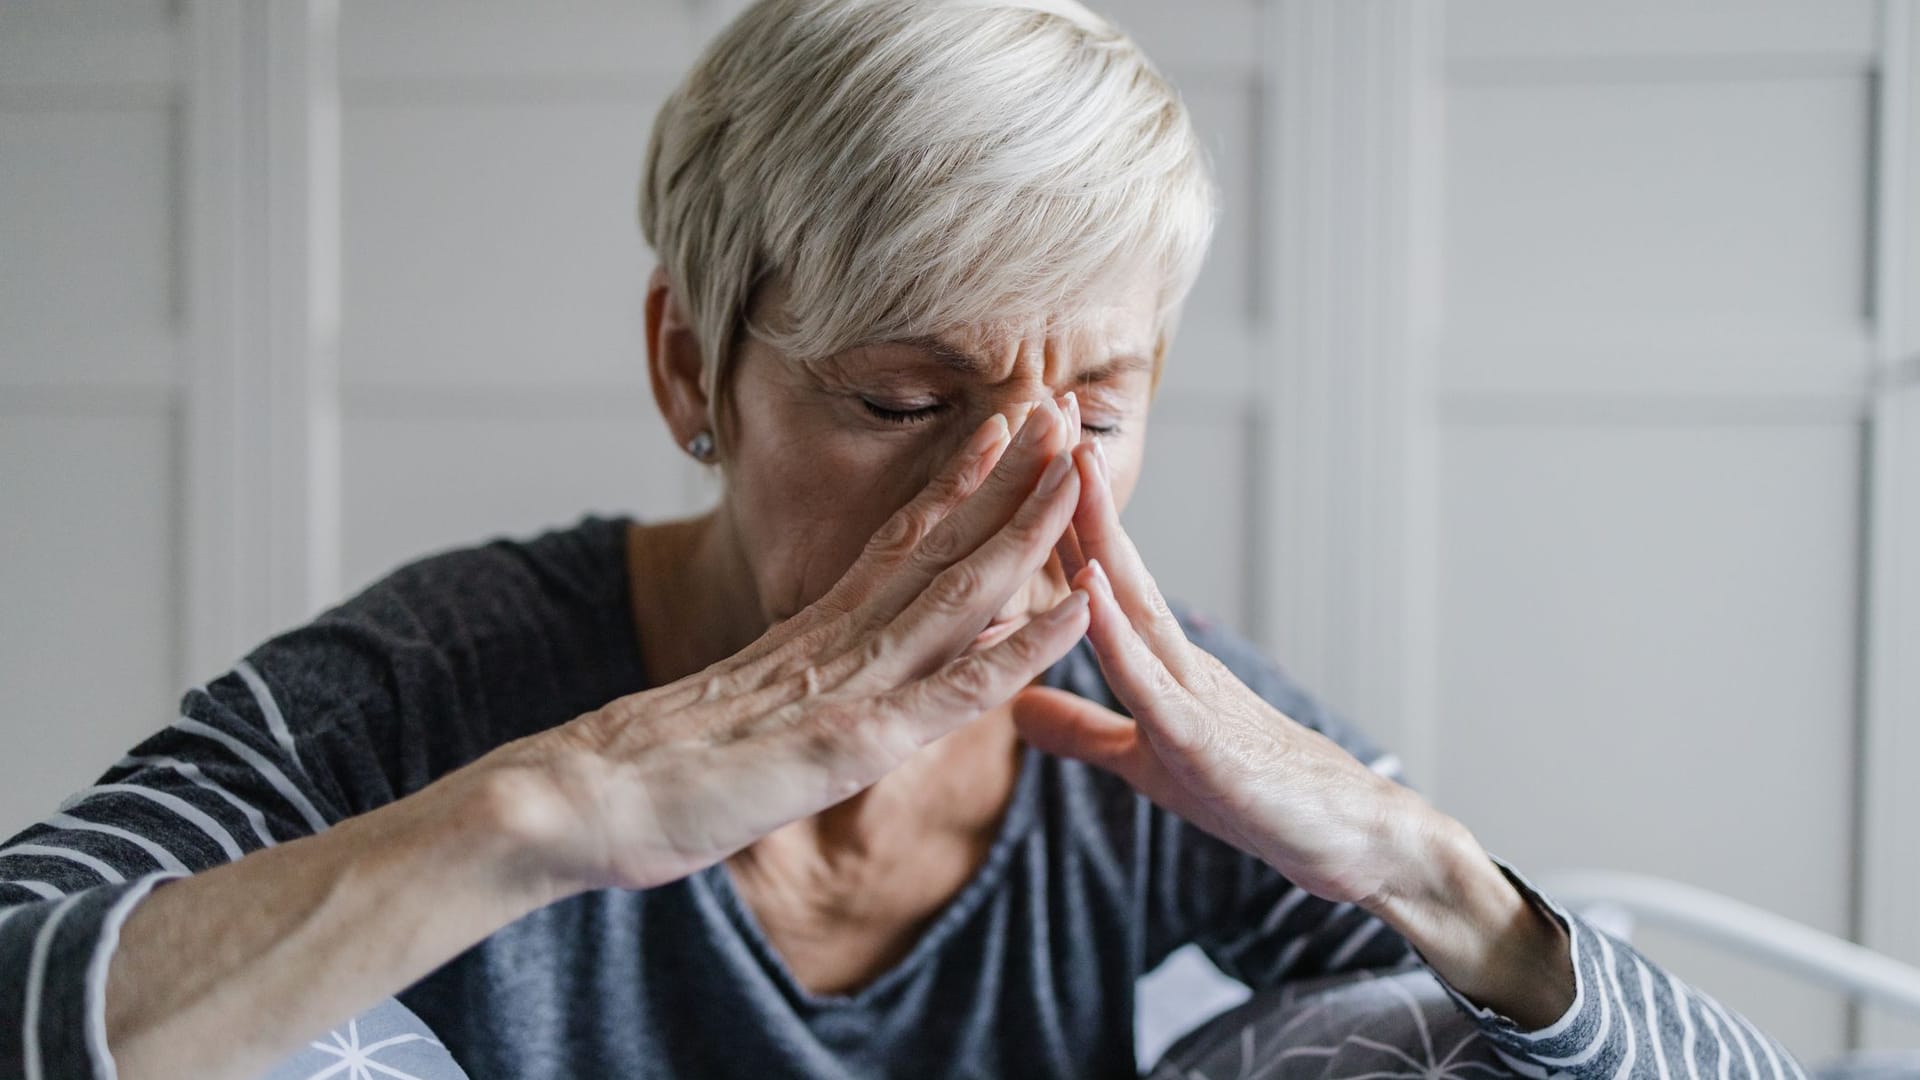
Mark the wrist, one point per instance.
(525, 816)
(1474, 927)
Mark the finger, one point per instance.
(1133, 671)
(1096, 525)
(903, 532)
(1067, 725)
(980, 515)
(962, 599)
(969, 685)
(1067, 549)
(892, 543)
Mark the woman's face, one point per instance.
(824, 453)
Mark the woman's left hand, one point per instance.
(1206, 747)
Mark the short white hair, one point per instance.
(906, 168)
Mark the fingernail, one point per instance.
(1074, 604)
(1100, 576)
(1100, 457)
(1056, 472)
(989, 435)
(1039, 421)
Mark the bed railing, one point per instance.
(1615, 901)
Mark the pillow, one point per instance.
(387, 1040)
(1397, 1022)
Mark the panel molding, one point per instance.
(262, 517)
(1341, 562)
(1888, 869)
(1669, 67)
(1522, 409)
(79, 399)
(1659, 366)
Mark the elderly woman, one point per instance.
(896, 762)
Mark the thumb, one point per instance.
(1070, 726)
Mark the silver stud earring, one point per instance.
(701, 446)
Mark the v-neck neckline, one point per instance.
(961, 907)
(1022, 810)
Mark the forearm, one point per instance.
(222, 973)
(1473, 927)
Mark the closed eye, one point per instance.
(902, 416)
(922, 413)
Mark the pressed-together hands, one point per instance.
(658, 784)
(217, 974)
(664, 782)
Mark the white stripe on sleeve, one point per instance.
(36, 980)
(1740, 1039)
(106, 872)
(200, 818)
(96, 986)
(260, 765)
(1653, 1021)
(269, 708)
(1683, 1004)
(160, 855)
(1625, 1071)
(193, 774)
(1586, 1053)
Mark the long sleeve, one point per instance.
(220, 781)
(425, 670)
(1629, 1017)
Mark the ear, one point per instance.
(673, 362)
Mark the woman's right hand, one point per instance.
(658, 784)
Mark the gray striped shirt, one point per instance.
(1030, 970)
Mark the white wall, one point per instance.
(91, 337)
(1552, 382)
(1657, 356)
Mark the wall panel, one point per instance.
(1647, 664)
(417, 480)
(86, 645)
(89, 329)
(90, 193)
(494, 242)
(1564, 205)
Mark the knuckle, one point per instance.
(901, 533)
(1023, 651)
(1162, 682)
(939, 547)
(821, 742)
(971, 679)
(876, 650)
(955, 589)
(1158, 607)
(955, 485)
(836, 601)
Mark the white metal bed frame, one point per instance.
(1614, 901)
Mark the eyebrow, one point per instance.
(966, 363)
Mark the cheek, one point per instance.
(805, 508)
(1125, 457)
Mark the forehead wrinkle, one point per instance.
(967, 362)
